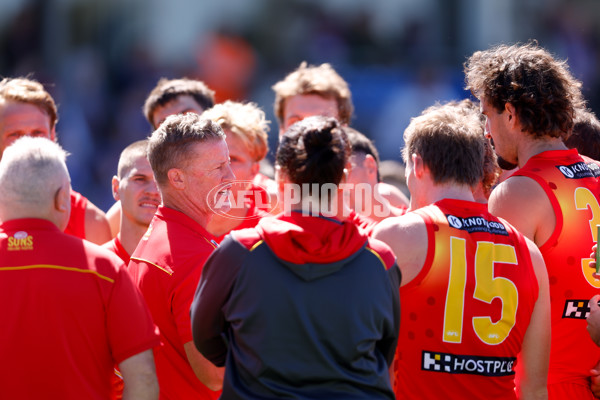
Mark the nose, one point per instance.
(229, 175)
(151, 187)
(487, 131)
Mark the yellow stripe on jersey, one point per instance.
(256, 245)
(378, 256)
(59, 267)
(151, 263)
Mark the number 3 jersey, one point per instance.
(570, 183)
(465, 314)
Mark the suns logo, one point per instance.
(20, 241)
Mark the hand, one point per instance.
(595, 380)
(593, 320)
(593, 262)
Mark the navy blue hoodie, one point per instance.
(300, 307)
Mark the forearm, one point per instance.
(139, 377)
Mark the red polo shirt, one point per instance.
(116, 247)
(70, 313)
(166, 266)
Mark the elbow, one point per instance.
(214, 385)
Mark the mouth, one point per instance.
(149, 203)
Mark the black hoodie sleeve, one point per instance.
(218, 277)
(389, 342)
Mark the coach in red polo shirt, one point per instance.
(69, 310)
(190, 161)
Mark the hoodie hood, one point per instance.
(311, 246)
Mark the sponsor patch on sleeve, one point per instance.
(466, 364)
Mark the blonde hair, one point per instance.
(246, 121)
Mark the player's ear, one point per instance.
(371, 166)
(62, 198)
(176, 178)
(511, 113)
(255, 168)
(418, 165)
(115, 188)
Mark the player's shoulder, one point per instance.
(382, 251)
(249, 238)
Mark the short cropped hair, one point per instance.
(129, 155)
(540, 87)
(25, 90)
(167, 90)
(359, 143)
(450, 144)
(169, 146)
(313, 151)
(323, 81)
(586, 134)
(246, 122)
(470, 109)
(31, 171)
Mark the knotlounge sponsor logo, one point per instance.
(476, 224)
(578, 170)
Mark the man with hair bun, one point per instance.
(269, 303)
(319, 90)
(530, 100)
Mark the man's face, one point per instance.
(242, 165)
(207, 174)
(22, 119)
(300, 106)
(362, 172)
(180, 105)
(138, 193)
(496, 128)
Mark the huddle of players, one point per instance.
(483, 293)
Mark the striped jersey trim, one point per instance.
(151, 263)
(378, 256)
(59, 267)
(255, 245)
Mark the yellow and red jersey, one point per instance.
(571, 184)
(465, 314)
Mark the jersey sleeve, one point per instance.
(183, 294)
(130, 326)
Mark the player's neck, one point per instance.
(130, 235)
(222, 224)
(532, 147)
(450, 191)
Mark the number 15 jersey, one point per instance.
(465, 314)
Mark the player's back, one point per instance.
(58, 293)
(571, 184)
(466, 313)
